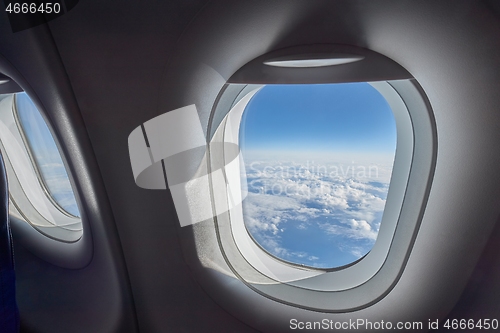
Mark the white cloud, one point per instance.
(355, 229)
(341, 205)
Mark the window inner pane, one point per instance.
(46, 155)
(318, 163)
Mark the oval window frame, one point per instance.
(317, 289)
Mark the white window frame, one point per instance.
(31, 154)
(343, 289)
(29, 199)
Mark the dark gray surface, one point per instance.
(123, 63)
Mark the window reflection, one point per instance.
(46, 155)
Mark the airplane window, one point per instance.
(44, 151)
(39, 187)
(318, 160)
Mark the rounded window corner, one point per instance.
(45, 213)
(335, 289)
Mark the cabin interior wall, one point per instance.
(117, 62)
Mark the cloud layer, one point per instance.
(57, 181)
(316, 214)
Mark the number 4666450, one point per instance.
(33, 8)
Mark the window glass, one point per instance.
(317, 165)
(46, 156)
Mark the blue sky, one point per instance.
(321, 117)
(318, 160)
(46, 154)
